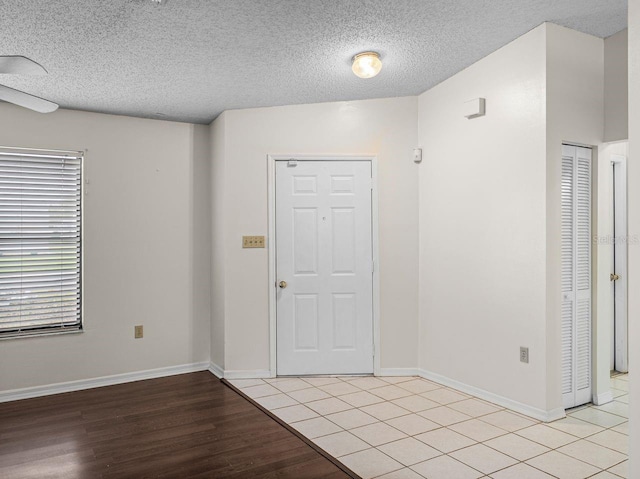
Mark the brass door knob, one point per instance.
(283, 284)
(614, 277)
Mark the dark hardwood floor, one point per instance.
(176, 427)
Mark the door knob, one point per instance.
(614, 277)
(282, 284)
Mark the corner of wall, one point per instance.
(217, 181)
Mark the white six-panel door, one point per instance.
(576, 275)
(324, 310)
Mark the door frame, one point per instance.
(271, 193)
(620, 325)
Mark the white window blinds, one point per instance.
(40, 242)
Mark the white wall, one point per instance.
(490, 212)
(386, 128)
(634, 229)
(616, 87)
(482, 225)
(575, 114)
(146, 249)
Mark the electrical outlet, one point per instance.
(524, 355)
(253, 241)
(138, 332)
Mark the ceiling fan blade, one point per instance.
(18, 65)
(21, 98)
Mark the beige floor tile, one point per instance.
(370, 463)
(611, 439)
(444, 396)
(593, 454)
(622, 428)
(623, 399)
(245, 383)
(385, 410)
(412, 424)
(605, 475)
(309, 394)
(396, 379)
(477, 430)
(615, 407)
(562, 466)
(351, 419)
(600, 418)
(507, 421)
(415, 403)
(517, 447)
(368, 383)
(474, 407)
(621, 470)
(279, 379)
(329, 406)
(620, 384)
(444, 415)
(316, 427)
(483, 458)
(409, 451)
(445, 467)
(338, 389)
(378, 433)
(361, 398)
(618, 393)
(320, 381)
(293, 384)
(418, 386)
(390, 392)
(341, 443)
(520, 471)
(260, 390)
(294, 413)
(575, 426)
(276, 401)
(445, 440)
(547, 436)
(405, 473)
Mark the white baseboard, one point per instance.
(216, 370)
(49, 389)
(539, 414)
(399, 372)
(602, 398)
(247, 374)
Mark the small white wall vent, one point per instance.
(474, 108)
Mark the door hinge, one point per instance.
(373, 266)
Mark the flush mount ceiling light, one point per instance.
(366, 64)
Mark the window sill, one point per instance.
(40, 334)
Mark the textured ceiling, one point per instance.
(189, 60)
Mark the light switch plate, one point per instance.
(253, 241)
(138, 332)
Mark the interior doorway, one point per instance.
(619, 342)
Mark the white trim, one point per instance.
(271, 198)
(398, 372)
(57, 388)
(247, 374)
(216, 370)
(602, 398)
(540, 414)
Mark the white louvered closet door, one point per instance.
(576, 275)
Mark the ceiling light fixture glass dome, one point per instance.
(366, 64)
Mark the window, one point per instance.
(40, 242)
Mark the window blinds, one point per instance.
(40, 242)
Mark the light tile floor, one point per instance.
(411, 428)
